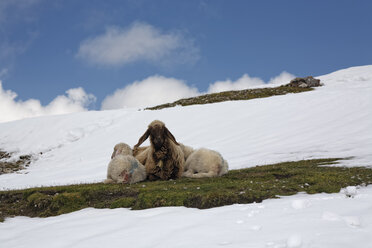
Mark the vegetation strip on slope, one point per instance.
(14, 165)
(247, 94)
(238, 186)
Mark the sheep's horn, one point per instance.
(170, 136)
(143, 138)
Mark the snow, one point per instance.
(350, 191)
(332, 121)
(331, 220)
(294, 241)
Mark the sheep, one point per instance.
(122, 149)
(123, 167)
(140, 153)
(187, 150)
(164, 158)
(205, 163)
(138, 150)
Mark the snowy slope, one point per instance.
(320, 220)
(332, 121)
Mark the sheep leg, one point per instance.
(188, 173)
(202, 174)
(108, 180)
(152, 177)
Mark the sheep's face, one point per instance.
(123, 149)
(157, 136)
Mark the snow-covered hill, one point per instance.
(331, 121)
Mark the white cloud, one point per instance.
(139, 42)
(157, 90)
(149, 92)
(282, 78)
(3, 72)
(75, 100)
(247, 82)
(242, 83)
(20, 6)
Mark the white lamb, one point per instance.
(205, 163)
(123, 167)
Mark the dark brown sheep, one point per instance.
(164, 158)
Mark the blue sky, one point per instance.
(49, 47)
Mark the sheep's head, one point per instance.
(122, 149)
(158, 133)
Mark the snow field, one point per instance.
(319, 220)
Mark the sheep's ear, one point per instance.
(113, 154)
(170, 135)
(143, 138)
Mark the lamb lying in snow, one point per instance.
(123, 167)
(205, 163)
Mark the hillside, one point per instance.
(333, 121)
(235, 95)
(329, 122)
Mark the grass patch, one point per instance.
(247, 94)
(238, 186)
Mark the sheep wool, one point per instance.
(124, 167)
(187, 150)
(164, 158)
(205, 163)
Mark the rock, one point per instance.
(306, 82)
(4, 155)
(11, 166)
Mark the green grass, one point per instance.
(233, 96)
(238, 186)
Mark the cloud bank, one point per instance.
(151, 91)
(75, 100)
(138, 42)
(157, 90)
